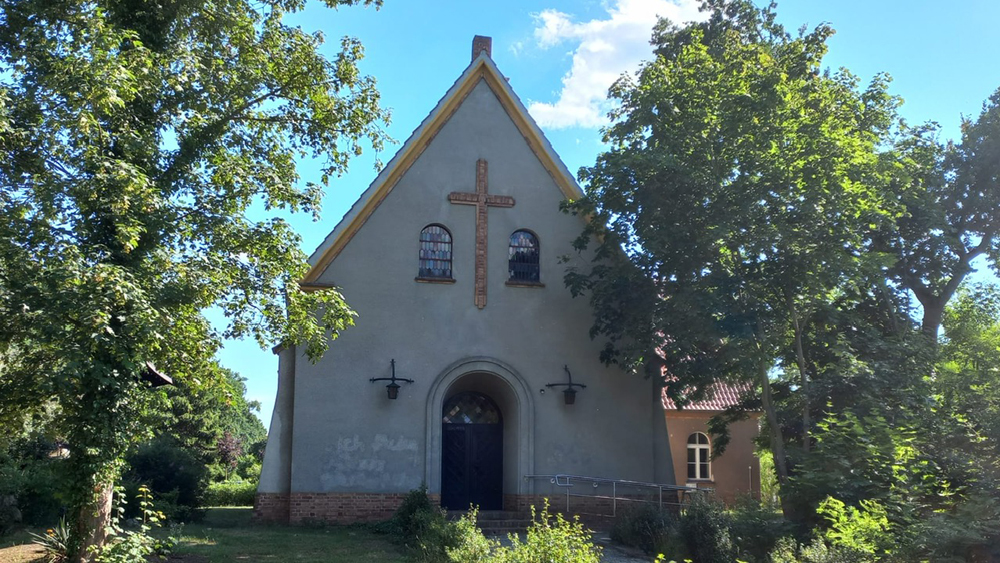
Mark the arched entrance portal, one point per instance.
(510, 393)
(471, 452)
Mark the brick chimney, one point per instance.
(481, 43)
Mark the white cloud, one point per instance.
(603, 50)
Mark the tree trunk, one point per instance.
(92, 524)
(933, 316)
(777, 442)
(800, 361)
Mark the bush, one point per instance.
(550, 539)
(136, 546)
(31, 483)
(176, 477)
(704, 525)
(787, 551)
(473, 546)
(240, 493)
(426, 530)
(755, 528)
(644, 526)
(422, 527)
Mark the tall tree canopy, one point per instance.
(732, 203)
(951, 198)
(134, 136)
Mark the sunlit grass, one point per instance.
(227, 535)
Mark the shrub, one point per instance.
(787, 551)
(755, 529)
(704, 525)
(240, 493)
(428, 532)
(54, 544)
(135, 546)
(644, 526)
(473, 546)
(550, 539)
(31, 484)
(176, 477)
(865, 529)
(422, 527)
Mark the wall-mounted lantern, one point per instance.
(569, 394)
(392, 388)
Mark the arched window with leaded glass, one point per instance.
(435, 253)
(524, 257)
(699, 457)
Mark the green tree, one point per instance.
(950, 198)
(134, 136)
(969, 376)
(732, 203)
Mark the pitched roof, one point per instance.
(482, 68)
(720, 397)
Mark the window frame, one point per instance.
(421, 276)
(521, 282)
(702, 457)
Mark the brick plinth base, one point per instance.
(348, 508)
(334, 508)
(271, 507)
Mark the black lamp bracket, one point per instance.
(392, 379)
(569, 385)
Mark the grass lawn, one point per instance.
(227, 535)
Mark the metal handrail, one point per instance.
(566, 481)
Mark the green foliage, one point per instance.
(817, 551)
(135, 137)
(473, 546)
(422, 527)
(950, 194)
(755, 528)
(704, 525)
(551, 538)
(865, 529)
(730, 208)
(644, 526)
(234, 493)
(434, 539)
(136, 546)
(174, 475)
(54, 543)
(415, 504)
(431, 535)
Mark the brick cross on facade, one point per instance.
(482, 200)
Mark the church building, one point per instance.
(470, 369)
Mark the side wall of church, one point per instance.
(349, 438)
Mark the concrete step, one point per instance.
(497, 522)
(491, 515)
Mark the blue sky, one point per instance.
(561, 56)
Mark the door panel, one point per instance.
(472, 466)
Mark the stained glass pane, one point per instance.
(471, 408)
(524, 257)
(435, 252)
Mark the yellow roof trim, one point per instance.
(481, 69)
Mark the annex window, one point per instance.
(699, 457)
(435, 252)
(523, 257)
